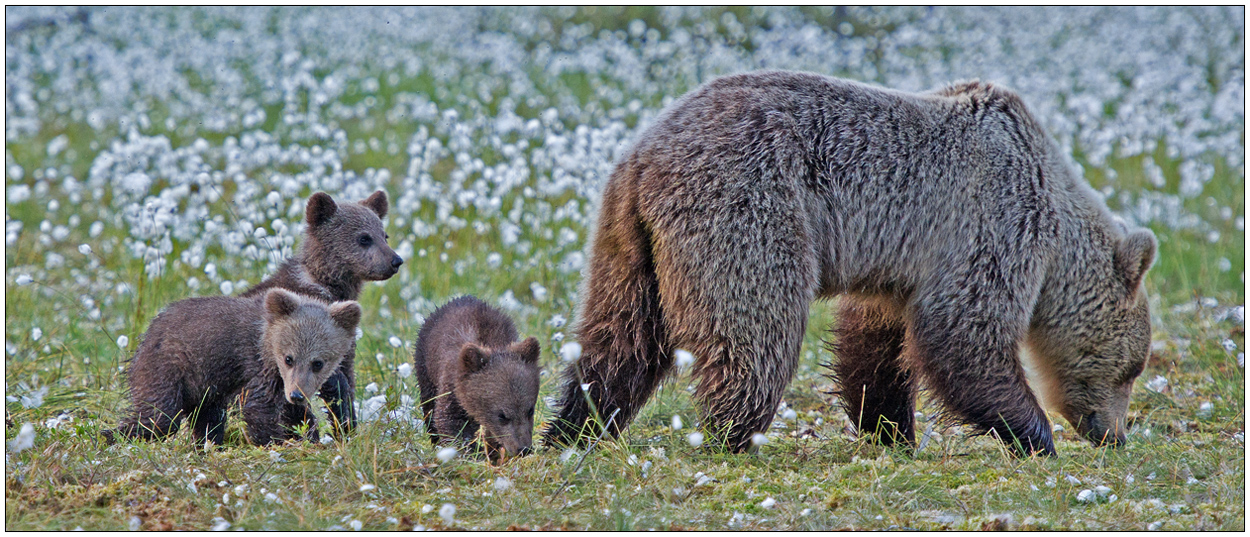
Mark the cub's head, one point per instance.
(306, 339)
(498, 390)
(1093, 337)
(349, 236)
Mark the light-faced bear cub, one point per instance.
(473, 374)
(948, 221)
(272, 352)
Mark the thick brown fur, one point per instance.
(947, 220)
(344, 246)
(199, 354)
(473, 374)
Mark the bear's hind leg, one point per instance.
(735, 291)
(156, 414)
(877, 390)
(620, 330)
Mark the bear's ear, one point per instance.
(527, 350)
(1133, 257)
(377, 202)
(474, 357)
(320, 209)
(346, 314)
(280, 303)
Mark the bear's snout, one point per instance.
(297, 396)
(1100, 432)
(396, 261)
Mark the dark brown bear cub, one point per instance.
(474, 373)
(272, 352)
(344, 246)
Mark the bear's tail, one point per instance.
(620, 324)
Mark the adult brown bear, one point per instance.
(948, 221)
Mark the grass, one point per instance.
(1183, 468)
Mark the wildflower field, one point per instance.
(155, 154)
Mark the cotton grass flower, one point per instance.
(570, 351)
(24, 440)
(446, 454)
(683, 359)
(448, 513)
(695, 439)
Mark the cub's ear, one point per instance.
(377, 202)
(280, 303)
(1133, 257)
(346, 314)
(320, 209)
(474, 357)
(527, 350)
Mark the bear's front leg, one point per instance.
(452, 421)
(339, 392)
(263, 407)
(966, 340)
(299, 415)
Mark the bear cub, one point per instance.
(273, 352)
(344, 246)
(474, 373)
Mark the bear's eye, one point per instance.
(365, 241)
(503, 418)
(531, 414)
(290, 361)
(317, 365)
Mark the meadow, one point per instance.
(154, 154)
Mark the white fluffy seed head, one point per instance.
(570, 351)
(695, 439)
(447, 454)
(448, 513)
(683, 358)
(758, 439)
(676, 422)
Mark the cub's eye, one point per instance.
(531, 414)
(290, 361)
(503, 418)
(317, 365)
(364, 241)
